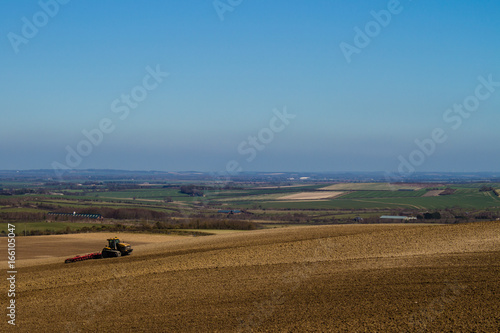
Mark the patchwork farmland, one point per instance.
(255, 256)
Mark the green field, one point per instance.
(479, 185)
(158, 194)
(67, 201)
(261, 197)
(261, 204)
(466, 198)
(21, 210)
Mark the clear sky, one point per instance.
(295, 85)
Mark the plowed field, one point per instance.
(359, 278)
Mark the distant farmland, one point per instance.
(465, 198)
(373, 187)
(384, 194)
(316, 202)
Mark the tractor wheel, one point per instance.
(118, 254)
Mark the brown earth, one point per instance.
(358, 278)
(433, 193)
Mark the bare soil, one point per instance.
(311, 195)
(433, 193)
(357, 278)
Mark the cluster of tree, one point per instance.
(481, 215)
(21, 203)
(232, 186)
(454, 215)
(14, 202)
(36, 190)
(93, 183)
(486, 188)
(448, 215)
(36, 232)
(117, 186)
(192, 190)
(448, 191)
(54, 184)
(429, 216)
(22, 216)
(296, 217)
(21, 191)
(218, 224)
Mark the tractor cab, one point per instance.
(113, 243)
(116, 249)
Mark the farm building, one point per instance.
(395, 218)
(86, 216)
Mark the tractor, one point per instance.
(116, 249)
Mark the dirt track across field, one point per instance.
(359, 278)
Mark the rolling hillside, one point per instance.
(377, 278)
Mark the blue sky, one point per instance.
(225, 78)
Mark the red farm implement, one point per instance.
(115, 248)
(95, 255)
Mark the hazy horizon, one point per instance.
(233, 86)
